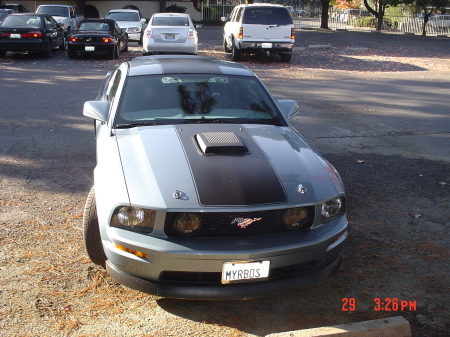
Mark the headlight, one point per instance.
(332, 208)
(187, 224)
(295, 218)
(134, 218)
(133, 30)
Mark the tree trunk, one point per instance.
(162, 6)
(324, 14)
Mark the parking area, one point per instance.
(375, 105)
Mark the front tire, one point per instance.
(63, 45)
(2, 53)
(91, 231)
(47, 52)
(71, 54)
(225, 46)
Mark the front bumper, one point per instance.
(191, 268)
(257, 46)
(136, 37)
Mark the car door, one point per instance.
(52, 31)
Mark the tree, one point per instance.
(379, 6)
(428, 7)
(324, 14)
(162, 6)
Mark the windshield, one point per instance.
(267, 16)
(3, 15)
(22, 21)
(54, 11)
(186, 98)
(123, 16)
(170, 21)
(94, 26)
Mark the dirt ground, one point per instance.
(398, 199)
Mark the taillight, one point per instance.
(35, 35)
(241, 33)
(190, 34)
(73, 39)
(149, 34)
(4, 34)
(107, 40)
(292, 34)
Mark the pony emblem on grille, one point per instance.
(244, 222)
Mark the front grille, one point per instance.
(230, 224)
(215, 278)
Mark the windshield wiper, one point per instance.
(133, 125)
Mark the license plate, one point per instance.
(241, 271)
(170, 36)
(89, 48)
(266, 45)
(15, 36)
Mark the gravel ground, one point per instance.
(398, 193)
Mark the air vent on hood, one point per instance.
(220, 143)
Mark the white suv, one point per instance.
(129, 20)
(260, 28)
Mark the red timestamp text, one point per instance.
(381, 304)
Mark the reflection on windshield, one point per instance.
(194, 97)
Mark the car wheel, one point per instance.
(235, 53)
(63, 45)
(225, 46)
(286, 57)
(91, 231)
(2, 53)
(47, 52)
(71, 54)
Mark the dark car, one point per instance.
(34, 33)
(15, 7)
(98, 36)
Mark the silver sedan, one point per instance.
(170, 33)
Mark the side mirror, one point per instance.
(143, 21)
(225, 18)
(124, 30)
(289, 108)
(97, 110)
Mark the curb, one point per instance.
(387, 327)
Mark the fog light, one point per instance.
(295, 217)
(332, 208)
(187, 224)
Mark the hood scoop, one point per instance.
(220, 143)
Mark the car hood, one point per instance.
(128, 24)
(164, 168)
(61, 19)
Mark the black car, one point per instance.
(15, 7)
(98, 36)
(34, 33)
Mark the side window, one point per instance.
(117, 28)
(239, 14)
(233, 14)
(113, 85)
(50, 22)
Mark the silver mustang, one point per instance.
(202, 188)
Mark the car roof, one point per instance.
(184, 64)
(28, 14)
(98, 20)
(123, 10)
(55, 5)
(263, 4)
(171, 14)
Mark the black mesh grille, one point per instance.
(214, 278)
(226, 224)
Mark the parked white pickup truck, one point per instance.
(65, 15)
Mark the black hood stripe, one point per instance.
(230, 179)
